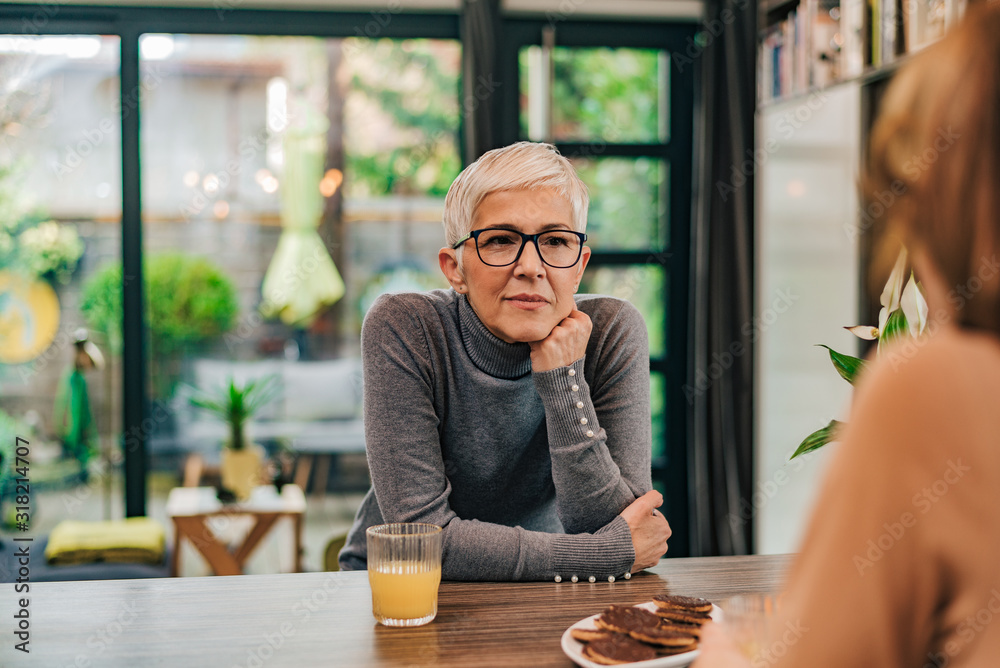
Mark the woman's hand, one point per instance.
(650, 529)
(718, 650)
(565, 344)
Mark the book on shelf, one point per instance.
(811, 44)
(801, 51)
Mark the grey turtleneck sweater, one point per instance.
(527, 472)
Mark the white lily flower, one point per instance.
(914, 307)
(893, 291)
(866, 332)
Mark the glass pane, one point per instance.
(628, 208)
(643, 285)
(60, 222)
(657, 403)
(287, 183)
(596, 94)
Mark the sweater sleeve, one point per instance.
(409, 475)
(599, 432)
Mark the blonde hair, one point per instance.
(521, 166)
(934, 161)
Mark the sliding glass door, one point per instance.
(60, 222)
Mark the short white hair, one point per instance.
(522, 166)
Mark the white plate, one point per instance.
(574, 648)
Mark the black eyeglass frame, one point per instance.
(525, 238)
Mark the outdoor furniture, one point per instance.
(325, 619)
(193, 510)
(317, 411)
(42, 571)
(321, 449)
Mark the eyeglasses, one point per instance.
(560, 249)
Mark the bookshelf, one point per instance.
(823, 68)
(805, 46)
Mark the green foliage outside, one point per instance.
(189, 302)
(609, 94)
(411, 89)
(29, 244)
(627, 203)
(601, 94)
(10, 429)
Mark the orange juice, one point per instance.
(404, 593)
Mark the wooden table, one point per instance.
(324, 619)
(193, 509)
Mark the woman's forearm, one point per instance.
(598, 422)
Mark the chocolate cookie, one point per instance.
(617, 649)
(671, 651)
(587, 635)
(688, 603)
(658, 635)
(624, 619)
(684, 616)
(693, 630)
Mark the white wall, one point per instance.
(808, 157)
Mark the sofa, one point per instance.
(317, 408)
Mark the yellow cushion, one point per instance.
(136, 540)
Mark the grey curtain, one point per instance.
(480, 36)
(720, 380)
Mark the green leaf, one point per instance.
(895, 326)
(848, 367)
(818, 439)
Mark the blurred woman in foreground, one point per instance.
(901, 563)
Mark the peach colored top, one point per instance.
(901, 563)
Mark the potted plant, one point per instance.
(236, 404)
(904, 313)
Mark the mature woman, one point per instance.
(505, 409)
(901, 564)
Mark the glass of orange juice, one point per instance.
(404, 570)
(750, 619)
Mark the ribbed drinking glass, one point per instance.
(404, 570)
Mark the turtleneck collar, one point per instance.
(489, 353)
